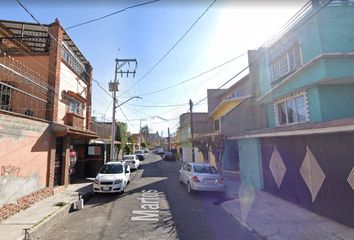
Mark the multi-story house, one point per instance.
(234, 111)
(153, 139)
(304, 80)
(202, 125)
(45, 111)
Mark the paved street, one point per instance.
(180, 215)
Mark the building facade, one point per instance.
(45, 111)
(304, 80)
(202, 125)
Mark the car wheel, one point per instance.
(189, 189)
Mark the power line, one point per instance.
(192, 78)
(170, 50)
(111, 14)
(272, 40)
(157, 106)
(46, 30)
(126, 117)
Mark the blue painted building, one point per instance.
(304, 78)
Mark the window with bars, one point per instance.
(287, 62)
(5, 97)
(291, 111)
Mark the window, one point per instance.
(94, 150)
(291, 111)
(235, 94)
(217, 125)
(287, 62)
(205, 169)
(74, 107)
(5, 98)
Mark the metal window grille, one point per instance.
(22, 90)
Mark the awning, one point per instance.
(226, 106)
(310, 128)
(76, 96)
(61, 130)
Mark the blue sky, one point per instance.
(227, 30)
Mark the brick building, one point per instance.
(45, 111)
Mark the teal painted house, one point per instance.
(305, 80)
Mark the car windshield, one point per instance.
(205, 169)
(138, 152)
(111, 169)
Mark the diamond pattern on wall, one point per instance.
(312, 173)
(277, 167)
(351, 178)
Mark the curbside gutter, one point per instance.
(54, 218)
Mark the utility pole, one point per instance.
(192, 135)
(140, 134)
(114, 87)
(169, 139)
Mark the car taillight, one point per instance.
(221, 180)
(195, 179)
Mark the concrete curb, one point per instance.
(54, 218)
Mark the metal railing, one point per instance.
(22, 90)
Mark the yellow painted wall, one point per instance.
(212, 159)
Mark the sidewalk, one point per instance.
(44, 214)
(277, 219)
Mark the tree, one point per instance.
(127, 149)
(213, 144)
(145, 132)
(143, 145)
(121, 134)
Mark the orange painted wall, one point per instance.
(24, 146)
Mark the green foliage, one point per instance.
(145, 132)
(127, 149)
(121, 134)
(213, 144)
(143, 145)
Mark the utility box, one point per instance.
(113, 86)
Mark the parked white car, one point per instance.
(132, 161)
(112, 177)
(201, 177)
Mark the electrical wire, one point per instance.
(111, 14)
(170, 50)
(194, 77)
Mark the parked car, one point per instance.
(160, 150)
(112, 177)
(201, 177)
(168, 156)
(132, 161)
(140, 154)
(146, 150)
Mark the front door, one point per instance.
(58, 161)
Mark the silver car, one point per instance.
(201, 177)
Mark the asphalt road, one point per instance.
(179, 216)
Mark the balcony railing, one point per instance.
(75, 120)
(73, 62)
(22, 90)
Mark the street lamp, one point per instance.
(128, 100)
(114, 123)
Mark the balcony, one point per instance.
(75, 120)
